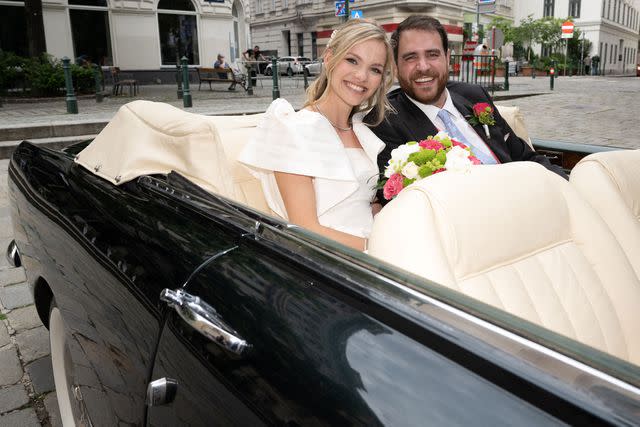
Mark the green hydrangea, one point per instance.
(421, 157)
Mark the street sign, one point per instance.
(567, 30)
(495, 38)
(357, 14)
(486, 6)
(340, 8)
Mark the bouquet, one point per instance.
(419, 159)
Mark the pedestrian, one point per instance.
(587, 65)
(221, 63)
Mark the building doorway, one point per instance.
(178, 29)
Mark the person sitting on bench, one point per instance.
(220, 63)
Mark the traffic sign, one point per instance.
(340, 8)
(567, 30)
(357, 14)
(495, 38)
(486, 6)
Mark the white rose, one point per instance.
(402, 152)
(394, 166)
(410, 170)
(458, 160)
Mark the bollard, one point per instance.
(186, 94)
(98, 80)
(250, 79)
(506, 75)
(274, 68)
(533, 70)
(552, 74)
(179, 81)
(72, 102)
(305, 73)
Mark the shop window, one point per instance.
(13, 30)
(177, 24)
(91, 36)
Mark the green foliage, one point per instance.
(43, 76)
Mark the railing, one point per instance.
(477, 69)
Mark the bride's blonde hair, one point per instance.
(342, 40)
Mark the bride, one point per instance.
(318, 166)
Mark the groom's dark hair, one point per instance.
(419, 22)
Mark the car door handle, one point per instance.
(204, 319)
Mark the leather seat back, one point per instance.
(520, 238)
(610, 182)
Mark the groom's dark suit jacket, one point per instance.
(409, 123)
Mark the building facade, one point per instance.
(303, 27)
(133, 34)
(612, 26)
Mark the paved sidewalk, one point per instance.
(26, 380)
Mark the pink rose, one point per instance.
(481, 107)
(431, 144)
(393, 186)
(458, 144)
(475, 160)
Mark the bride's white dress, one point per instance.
(305, 143)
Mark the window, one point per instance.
(574, 8)
(300, 44)
(548, 8)
(259, 8)
(619, 7)
(314, 45)
(13, 30)
(90, 31)
(609, 9)
(177, 25)
(285, 4)
(615, 55)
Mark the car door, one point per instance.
(270, 331)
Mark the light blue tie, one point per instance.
(482, 153)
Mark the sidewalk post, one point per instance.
(179, 80)
(274, 72)
(552, 74)
(533, 69)
(506, 75)
(98, 80)
(186, 94)
(305, 71)
(249, 68)
(72, 102)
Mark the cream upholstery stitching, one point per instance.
(541, 320)
(607, 342)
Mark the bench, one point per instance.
(213, 75)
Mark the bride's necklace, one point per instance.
(315, 106)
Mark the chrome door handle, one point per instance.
(204, 319)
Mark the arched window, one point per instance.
(90, 31)
(177, 25)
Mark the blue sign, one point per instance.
(340, 11)
(357, 14)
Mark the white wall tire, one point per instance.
(62, 366)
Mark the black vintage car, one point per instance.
(169, 303)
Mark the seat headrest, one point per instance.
(621, 168)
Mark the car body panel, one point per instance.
(335, 338)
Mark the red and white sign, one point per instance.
(567, 30)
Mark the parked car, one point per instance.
(291, 65)
(173, 297)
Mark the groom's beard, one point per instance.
(429, 95)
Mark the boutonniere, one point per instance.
(483, 115)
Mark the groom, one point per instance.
(426, 102)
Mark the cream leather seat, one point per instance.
(610, 182)
(520, 238)
(514, 118)
(147, 137)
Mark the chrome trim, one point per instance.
(13, 254)
(204, 319)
